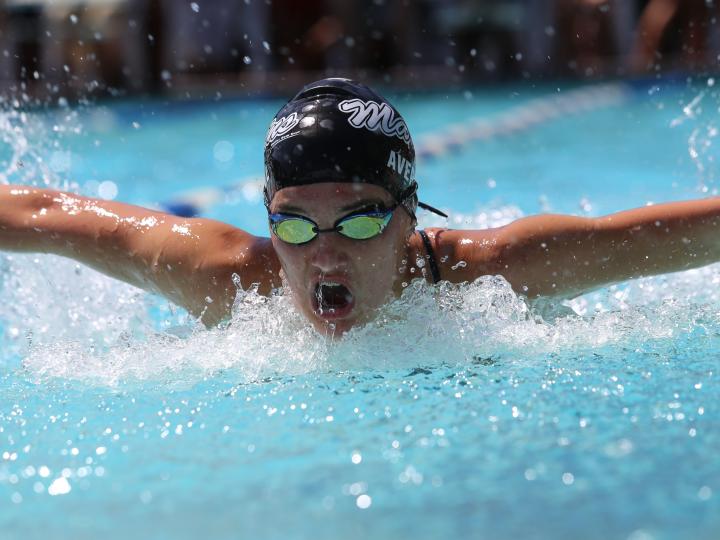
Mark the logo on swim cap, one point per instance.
(404, 167)
(281, 126)
(375, 117)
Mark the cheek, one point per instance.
(291, 259)
(285, 252)
(380, 264)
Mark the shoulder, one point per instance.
(228, 250)
(205, 262)
(462, 255)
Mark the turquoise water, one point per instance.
(459, 412)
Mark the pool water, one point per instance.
(459, 412)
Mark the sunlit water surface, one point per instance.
(460, 412)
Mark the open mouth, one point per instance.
(332, 299)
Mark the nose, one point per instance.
(328, 255)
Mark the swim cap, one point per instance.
(338, 130)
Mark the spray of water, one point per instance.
(111, 334)
(32, 145)
(702, 136)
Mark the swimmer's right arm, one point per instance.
(189, 261)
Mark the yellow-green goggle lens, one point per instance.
(295, 231)
(363, 227)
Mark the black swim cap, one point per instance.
(338, 130)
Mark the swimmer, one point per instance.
(341, 198)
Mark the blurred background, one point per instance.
(271, 47)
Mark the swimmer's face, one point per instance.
(337, 282)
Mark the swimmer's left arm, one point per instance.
(557, 255)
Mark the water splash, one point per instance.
(690, 111)
(32, 146)
(428, 325)
(701, 138)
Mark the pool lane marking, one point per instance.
(536, 111)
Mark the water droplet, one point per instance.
(107, 190)
(60, 486)
(223, 151)
(363, 501)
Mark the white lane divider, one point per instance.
(523, 117)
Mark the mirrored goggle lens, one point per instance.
(294, 231)
(363, 227)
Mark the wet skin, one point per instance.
(192, 262)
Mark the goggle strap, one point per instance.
(408, 193)
(432, 209)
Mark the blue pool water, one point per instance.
(458, 412)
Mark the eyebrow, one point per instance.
(357, 205)
(364, 204)
(288, 209)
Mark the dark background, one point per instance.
(270, 47)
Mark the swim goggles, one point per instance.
(295, 229)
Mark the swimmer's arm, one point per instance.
(555, 255)
(185, 260)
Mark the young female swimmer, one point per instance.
(341, 198)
